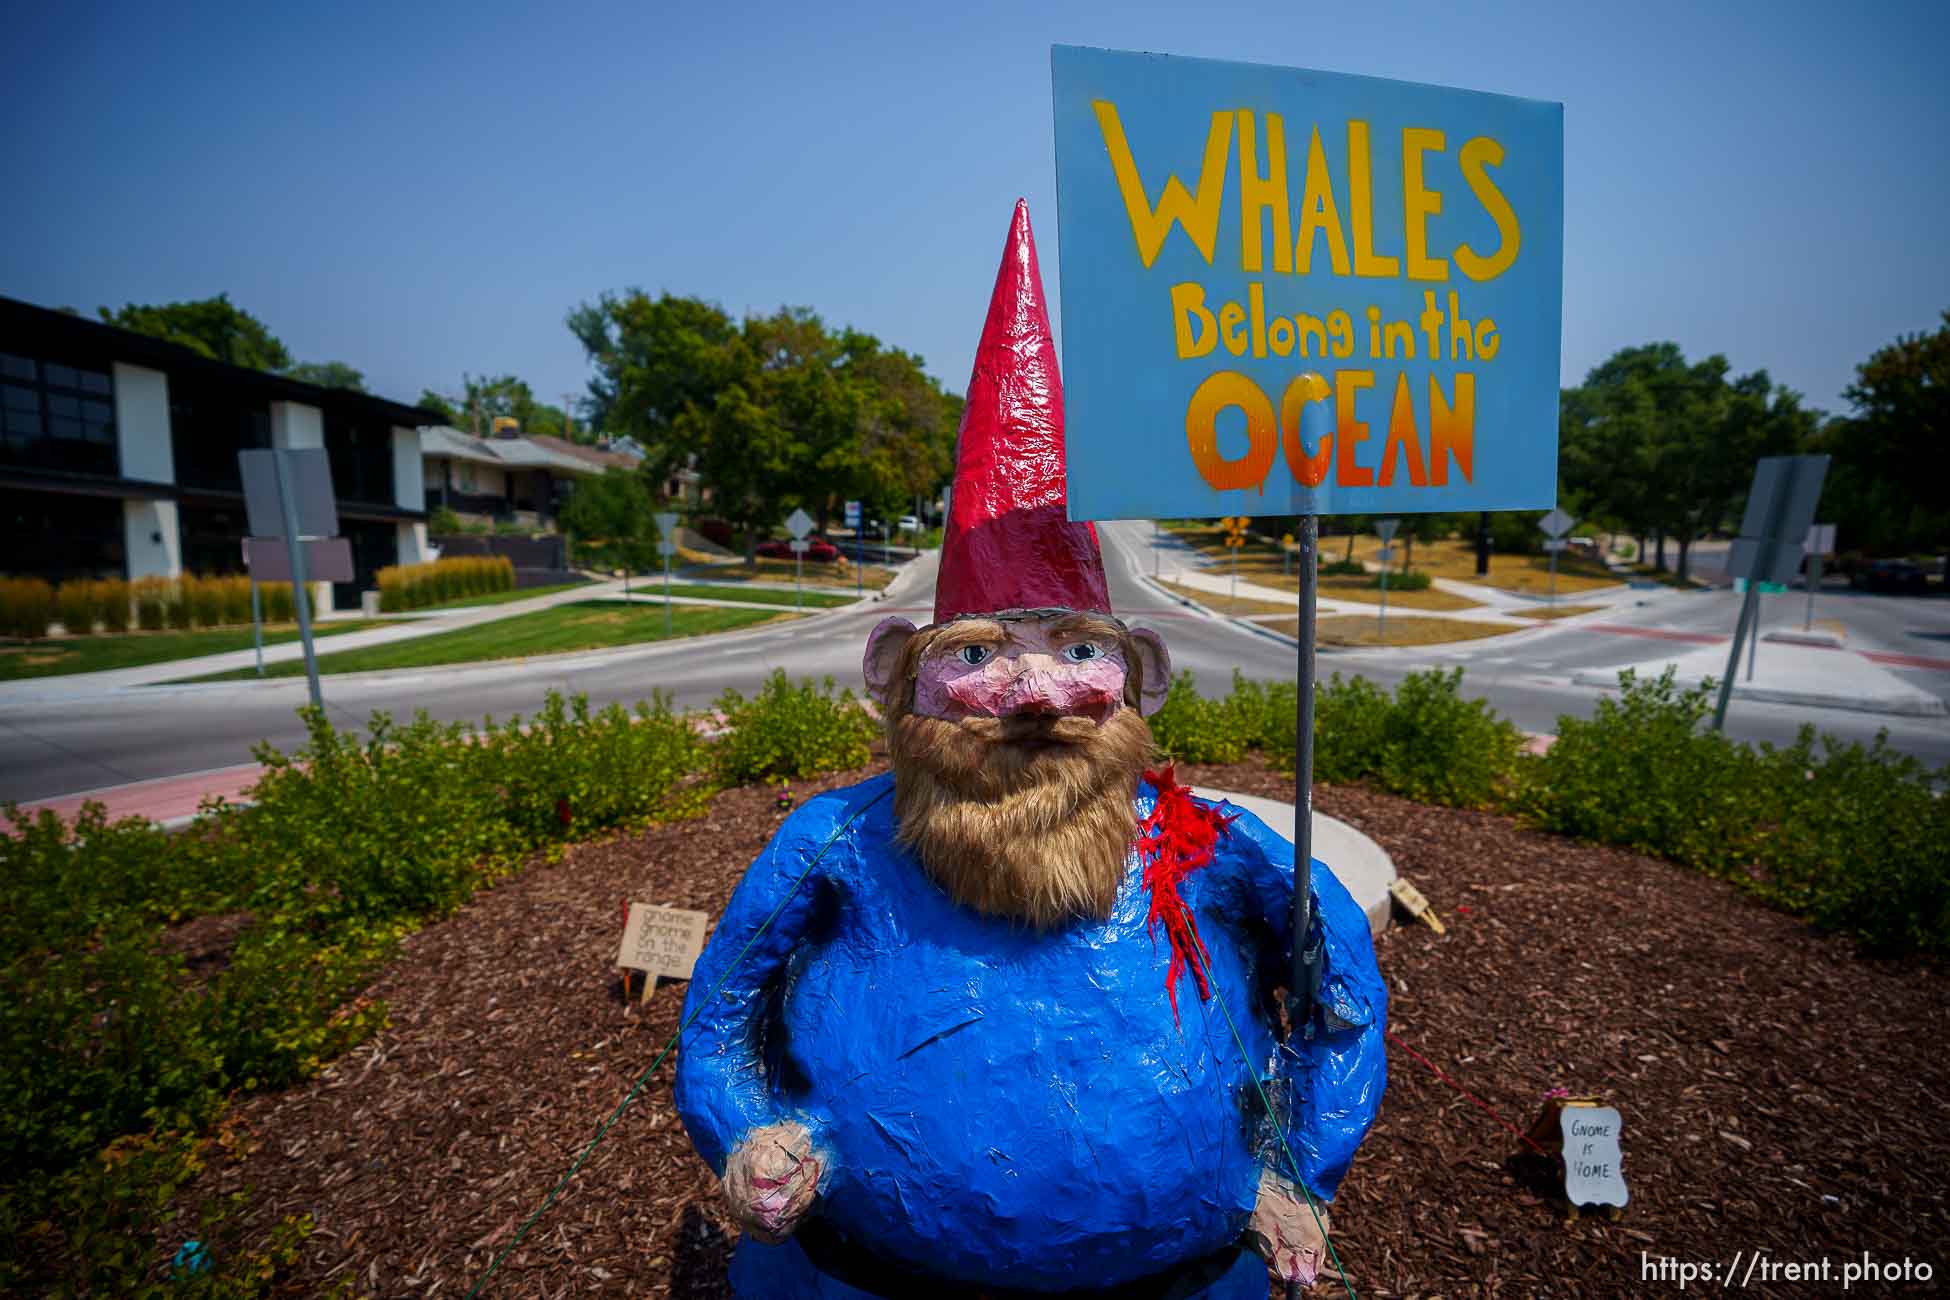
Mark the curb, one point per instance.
(1240, 623)
(1362, 866)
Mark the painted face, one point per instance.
(1068, 665)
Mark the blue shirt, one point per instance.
(994, 1103)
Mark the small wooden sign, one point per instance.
(1411, 901)
(662, 942)
(1583, 1136)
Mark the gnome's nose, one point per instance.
(1031, 696)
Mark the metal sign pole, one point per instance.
(289, 506)
(798, 564)
(666, 595)
(1733, 660)
(1553, 599)
(1814, 580)
(257, 627)
(1306, 961)
(1753, 636)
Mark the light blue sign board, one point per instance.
(1135, 356)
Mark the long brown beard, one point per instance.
(1025, 818)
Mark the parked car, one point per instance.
(909, 524)
(715, 530)
(818, 550)
(1889, 575)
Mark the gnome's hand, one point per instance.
(1285, 1232)
(771, 1180)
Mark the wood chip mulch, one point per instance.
(1779, 1094)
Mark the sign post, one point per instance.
(1330, 366)
(859, 551)
(1780, 508)
(1821, 541)
(666, 547)
(288, 494)
(1555, 525)
(799, 523)
(1385, 530)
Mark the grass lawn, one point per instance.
(1359, 629)
(504, 597)
(836, 575)
(1223, 603)
(1455, 557)
(585, 625)
(814, 598)
(1262, 564)
(92, 654)
(1555, 611)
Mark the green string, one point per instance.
(644, 1078)
(1252, 1073)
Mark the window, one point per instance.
(209, 423)
(60, 536)
(361, 453)
(55, 416)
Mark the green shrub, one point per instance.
(80, 605)
(152, 596)
(1350, 729)
(1413, 580)
(1855, 838)
(26, 607)
(178, 608)
(114, 605)
(276, 601)
(1344, 568)
(1640, 773)
(788, 731)
(443, 522)
(1192, 729)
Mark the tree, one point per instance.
(329, 374)
(211, 327)
(1888, 489)
(1661, 446)
(773, 413)
(616, 509)
(484, 399)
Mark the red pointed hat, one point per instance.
(1008, 544)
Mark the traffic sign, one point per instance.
(1555, 544)
(853, 514)
(1556, 524)
(1820, 540)
(1385, 528)
(666, 549)
(666, 524)
(1384, 555)
(310, 478)
(799, 547)
(799, 523)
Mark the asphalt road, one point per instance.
(64, 746)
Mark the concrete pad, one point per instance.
(1360, 864)
(1814, 637)
(1813, 676)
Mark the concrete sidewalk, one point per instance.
(1819, 677)
(401, 627)
(1495, 606)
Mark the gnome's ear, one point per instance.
(883, 662)
(1152, 669)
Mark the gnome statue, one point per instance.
(1001, 1022)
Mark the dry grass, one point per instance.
(1359, 629)
(1456, 558)
(699, 566)
(1223, 603)
(1555, 611)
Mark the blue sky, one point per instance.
(422, 189)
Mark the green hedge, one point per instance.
(348, 846)
(1854, 838)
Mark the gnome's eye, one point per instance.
(975, 654)
(1080, 652)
